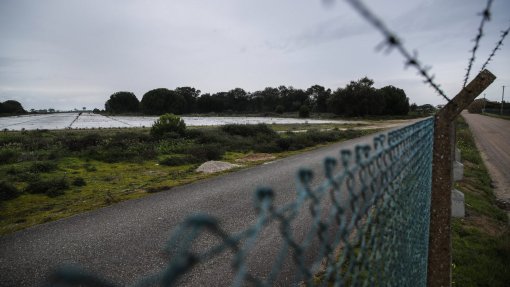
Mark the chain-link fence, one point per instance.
(369, 221)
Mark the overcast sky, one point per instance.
(68, 54)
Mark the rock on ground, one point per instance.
(215, 166)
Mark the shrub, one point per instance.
(7, 191)
(178, 159)
(215, 135)
(51, 187)
(79, 143)
(279, 109)
(8, 155)
(205, 152)
(42, 166)
(248, 130)
(168, 125)
(79, 181)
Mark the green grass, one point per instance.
(57, 174)
(481, 240)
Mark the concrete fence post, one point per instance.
(440, 251)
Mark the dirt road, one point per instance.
(492, 137)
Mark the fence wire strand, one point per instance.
(498, 47)
(367, 224)
(486, 16)
(392, 41)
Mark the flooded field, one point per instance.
(90, 121)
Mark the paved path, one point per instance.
(492, 137)
(124, 241)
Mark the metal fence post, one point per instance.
(439, 260)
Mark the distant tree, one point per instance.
(51, 110)
(396, 101)
(237, 100)
(279, 109)
(318, 97)
(122, 102)
(426, 109)
(190, 96)
(357, 99)
(269, 98)
(161, 101)
(11, 107)
(304, 111)
(96, 111)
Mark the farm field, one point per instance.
(87, 120)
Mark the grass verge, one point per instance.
(481, 240)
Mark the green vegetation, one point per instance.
(122, 102)
(47, 175)
(481, 240)
(168, 125)
(10, 108)
(358, 98)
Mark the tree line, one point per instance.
(358, 98)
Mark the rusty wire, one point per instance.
(486, 16)
(498, 47)
(392, 41)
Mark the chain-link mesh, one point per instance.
(368, 224)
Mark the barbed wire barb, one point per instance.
(498, 47)
(486, 16)
(393, 41)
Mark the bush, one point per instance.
(205, 152)
(304, 111)
(248, 130)
(79, 143)
(7, 191)
(279, 109)
(79, 181)
(51, 187)
(42, 166)
(178, 159)
(8, 155)
(168, 125)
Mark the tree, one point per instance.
(304, 111)
(122, 102)
(397, 103)
(190, 96)
(269, 99)
(318, 97)
(357, 99)
(168, 125)
(11, 107)
(161, 101)
(237, 100)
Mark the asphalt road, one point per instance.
(124, 242)
(492, 137)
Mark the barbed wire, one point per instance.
(393, 42)
(498, 47)
(486, 16)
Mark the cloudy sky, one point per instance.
(69, 54)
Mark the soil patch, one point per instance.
(256, 157)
